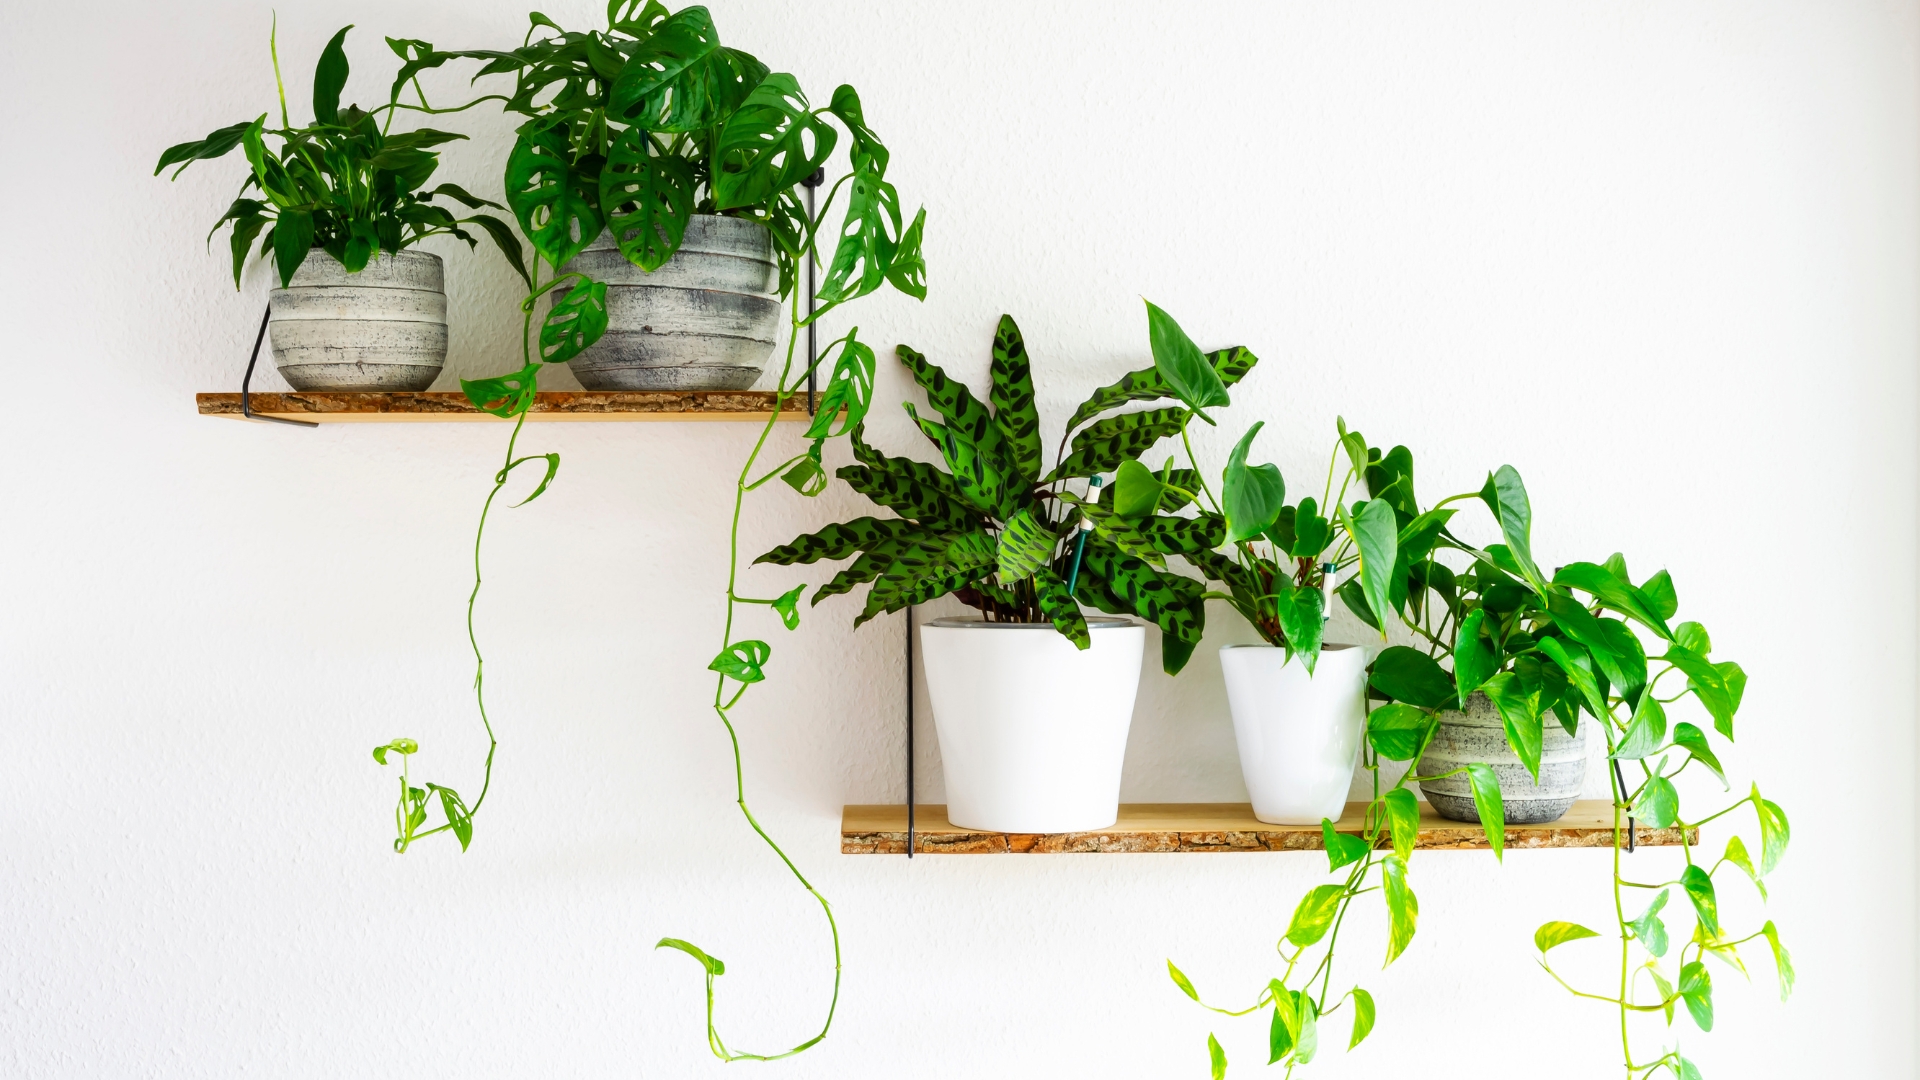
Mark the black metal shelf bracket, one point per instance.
(246, 381)
(1622, 782)
(812, 183)
(909, 731)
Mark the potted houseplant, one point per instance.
(669, 167)
(342, 203)
(1032, 699)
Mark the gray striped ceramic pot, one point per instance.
(384, 328)
(1476, 735)
(704, 321)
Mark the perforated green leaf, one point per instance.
(869, 237)
(647, 199)
(769, 144)
(743, 660)
(504, 395)
(577, 319)
(844, 403)
(557, 205)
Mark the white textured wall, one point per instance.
(1659, 256)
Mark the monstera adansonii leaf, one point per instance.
(769, 144)
(555, 203)
(647, 199)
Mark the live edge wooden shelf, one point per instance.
(1174, 827)
(590, 406)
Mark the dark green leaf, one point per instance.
(1559, 933)
(1014, 412)
(647, 199)
(743, 660)
(770, 143)
(329, 78)
(1519, 708)
(1694, 741)
(1180, 363)
(1168, 601)
(1183, 535)
(216, 144)
(292, 239)
(504, 239)
(1576, 666)
(1487, 803)
(506, 395)
(1391, 478)
(1174, 653)
(670, 82)
(1696, 990)
(1342, 848)
(1649, 930)
(1362, 1016)
(1409, 675)
(555, 203)
(1314, 915)
(1299, 610)
(912, 489)
(711, 963)
(979, 473)
(1403, 821)
(1474, 657)
(1612, 590)
(1658, 804)
(576, 320)
(1058, 606)
(1398, 732)
(957, 406)
(1377, 536)
(1252, 495)
(1118, 532)
(1146, 384)
(1356, 601)
(846, 106)
(868, 239)
(1403, 908)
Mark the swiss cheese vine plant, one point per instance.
(638, 127)
(1583, 641)
(998, 530)
(345, 183)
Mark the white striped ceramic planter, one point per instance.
(1477, 735)
(384, 328)
(705, 320)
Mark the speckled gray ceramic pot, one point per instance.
(1476, 735)
(384, 328)
(704, 321)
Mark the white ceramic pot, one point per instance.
(384, 328)
(1033, 732)
(1477, 735)
(1299, 734)
(705, 320)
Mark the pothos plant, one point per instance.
(637, 127)
(1539, 648)
(999, 531)
(345, 183)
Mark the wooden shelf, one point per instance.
(1162, 827)
(588, 406)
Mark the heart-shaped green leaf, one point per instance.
(1363, 1016)
(1488, 804)
(1403, 821)
(1376, 534)
(1314, 915)
(1649, 930)
(1398, 732)
(1774, 832)
(1410, 675)
(1559, 933)
(1403, 908)
(1253, 494)
(1342, 848)
(1181, 364)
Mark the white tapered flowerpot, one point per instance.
(382, 328)
(1299, 734)
(1033, 731)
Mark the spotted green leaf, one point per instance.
(908, 555)
(1147, 384)
(1014, 412)
(912, 489)
(1174, 608)
(838, 541)
(1058, 606)
(1026, 544)
(1183, 535)
(980, 474)
(1118, 532)
(1103, 446)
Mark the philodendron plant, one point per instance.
(1000, 531)
(344, 183)
(637, 127)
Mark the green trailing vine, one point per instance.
(1579, 642)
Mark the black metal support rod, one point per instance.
(1622, 781)
(909, 731)
(811, 183)
(246, 381)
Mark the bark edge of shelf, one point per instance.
(328, 406)
(1196, 827)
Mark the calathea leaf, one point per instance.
(743, 661)
(849, 394)
(769, 144)
(647, 199)
(1147, 384)
(890, 593)
(1183, 535)
(1174, 653)
(505, 395)
(1026, 544)
(1117, 531)
(918, 554)
(576, 320)
(980, 475)
(1014, 411)
(838, 541)
(899, 490)
(955, 403)
(1103, 446)
(1252, 494)
(1174, 608)
(556, 205)
(1180, 363)
(868, 238)
(1059, 608)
